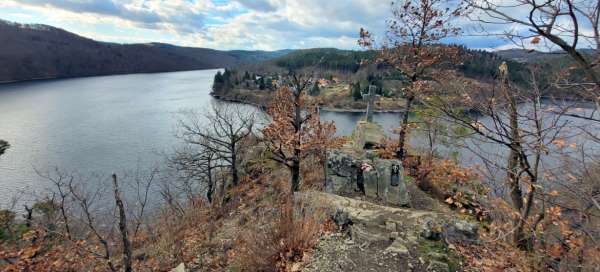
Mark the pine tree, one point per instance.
(356, 92)
(379, 85)
(315, 90)
(218, 82)
(261, 83)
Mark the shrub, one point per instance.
(275, 247)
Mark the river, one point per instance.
(104, 124)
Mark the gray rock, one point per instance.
(398, 247)
(342, 173)
(431, 230)
(461, 230)
(437, 266)
(390, 226)
(380, 179)
(342, 218)
(362, 235)
(393, 194)
(370, 181)
(367, 135)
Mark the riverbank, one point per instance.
(260, 99)
(52, 78)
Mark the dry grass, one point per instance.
(283, 244)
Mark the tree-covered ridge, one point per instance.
(30, 52)
(477, 64)
(481, 64)
(324, 58)
(343, 76)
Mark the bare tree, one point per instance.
(412, 48)
(525, 131)
(61, 182)
(197, 163)
(290, 117)
(86, 202)
(142, 186)
(122, 226)
(220, 131)
(567, 24)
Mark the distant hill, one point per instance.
(523, 55)
(33, 51)
(325, 58)
(476, 64)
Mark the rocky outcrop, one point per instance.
(343, 173)
(383, 238)
(375, 178)
(368, 135)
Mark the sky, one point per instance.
(222, 24)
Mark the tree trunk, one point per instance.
(512, 165)
(296, 172)
(512, 168)
(401, 153)
(28, 216)
(234, 172)
(209, 193)
(127, 267)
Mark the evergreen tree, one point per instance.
(261, 83)
(227, 75)
(379, 85)
(315, 90)
(356, 92)
(218, 82)
(269, 84)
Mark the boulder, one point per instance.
(342, 218)
(461, 231)
(370, 180)
(367, 135)
(391, 184)
(454, 231)
(377, 178)
(342, 173)
(431, 230)
(398, 247)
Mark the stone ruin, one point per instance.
(356, 168)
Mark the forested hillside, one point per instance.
(40, 51)
(477, 64)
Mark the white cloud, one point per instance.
(234, 24)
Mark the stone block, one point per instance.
(370, 181)
(342, 173)
(367, 135)
(391, 185)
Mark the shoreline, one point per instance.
(329, 109)
(321, 108)
(237, 100)
(49, 78)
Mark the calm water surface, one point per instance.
(108, 124)
(97, 124)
